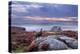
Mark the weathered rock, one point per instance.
(71, 42)
(53, 43)
(44, 47)
(56, 29)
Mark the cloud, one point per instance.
(41, 13)
(23, 9)
(33, 6)
(50, 19)
(18, 8)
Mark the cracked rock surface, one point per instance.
(56, 43)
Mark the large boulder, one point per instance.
(54, 42)
(49, 43)
(71, 42)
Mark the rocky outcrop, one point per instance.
(56, 29)
(55, 43)
(71, 42)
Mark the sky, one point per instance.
(31, 12)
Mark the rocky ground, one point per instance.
(53, 43)
(24, 41)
